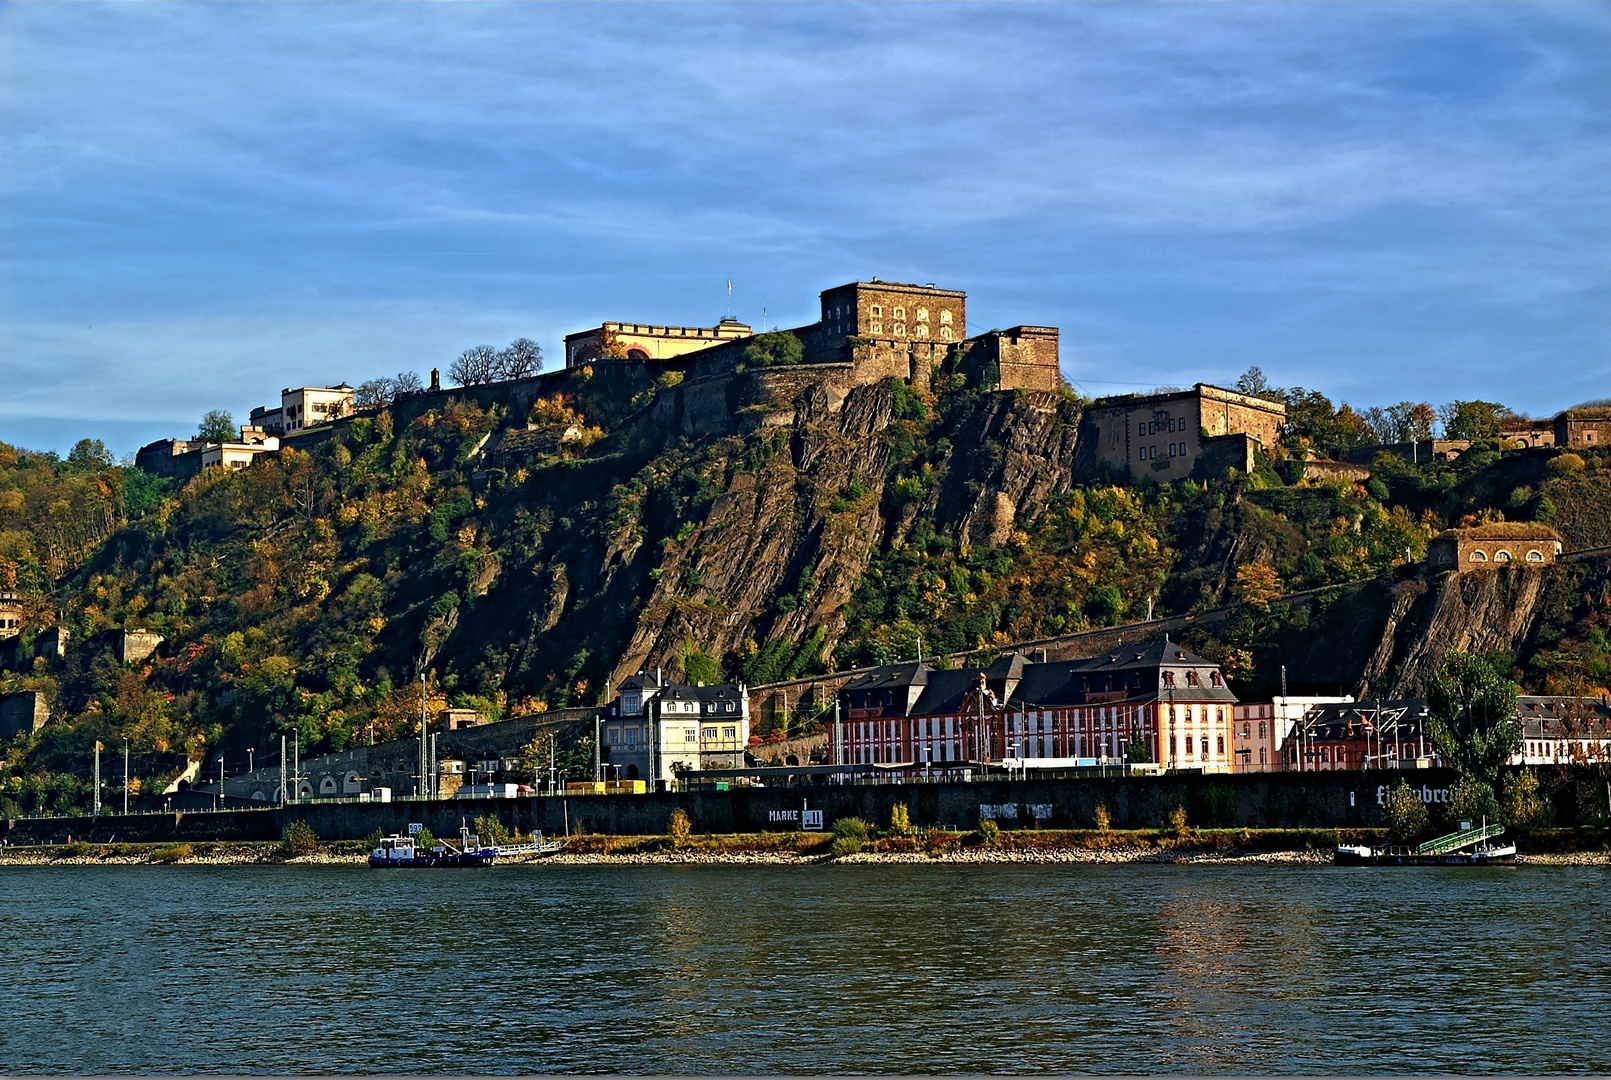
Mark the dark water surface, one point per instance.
(1112, 969)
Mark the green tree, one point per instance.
(1472, 717)
(1522, 805)
(1472, 419)
(1404, 814)
(777, 349)
(217, 426)
(1472, 800)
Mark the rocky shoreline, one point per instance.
(225, 854)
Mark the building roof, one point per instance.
(1501, 530)
(1553, 716)
(927, 290)
(713, 692)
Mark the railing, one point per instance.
(1456, 840)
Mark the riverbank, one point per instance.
(640, 851)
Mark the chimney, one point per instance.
(1038, 656)
(436, 380)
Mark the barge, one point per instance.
(402, 853)
(1466, 847)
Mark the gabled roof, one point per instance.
(1152, 654)
(713, 692)
(889, 676)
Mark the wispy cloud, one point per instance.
(1382, 200)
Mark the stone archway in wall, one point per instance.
(632, 772)
(304, 790)
(792, 760)
(327, 786)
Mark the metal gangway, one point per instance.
(1457, 840)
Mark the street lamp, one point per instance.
(251, 757)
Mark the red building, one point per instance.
(1170, 704)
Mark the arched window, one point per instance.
(1478, 556)
(1535, 556)
(327, 786)
(1501, 556)
(637, 354)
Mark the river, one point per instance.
(745, 969)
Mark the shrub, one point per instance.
(298, 839)
(1404, 814)
(171, 853)
(678, 827)
(1565, 464)
(491, 830)
(1523, 807)
(1103, 820)
(900, 820)
(844, 845)
(372, 841)
(850, 828)
(76, 850)
(988, 831)
(1177, 822)
(424, 840)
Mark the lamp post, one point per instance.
(251, 759)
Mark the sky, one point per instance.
(203, 203)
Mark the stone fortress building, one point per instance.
(867, 331)
(641, 341)
(1168, 435)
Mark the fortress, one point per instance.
(868, 331)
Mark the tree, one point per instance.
(373, 393)
(1257, 584)
(407, 382)
(90, 454)
(1404, 814)
(777, 349)
(1471, 419)
(522, 359)
(1253, 382)
(217, 426)
(1472, 717)
(475, 367)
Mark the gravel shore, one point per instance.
(268, 854)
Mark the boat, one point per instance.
(1464, 847)
(402, 853)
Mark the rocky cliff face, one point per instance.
(1515, 611)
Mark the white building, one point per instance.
(302, 407)
(655, 729)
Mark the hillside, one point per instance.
(526, 558)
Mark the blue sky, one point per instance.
(200, 204)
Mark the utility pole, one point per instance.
(282, 770)
(419, 788)
(96, 800)
(296, 764)
(838, 734)
(597, 757)
(220, 802)
(125, 778)
(433, 777)
(550, 762)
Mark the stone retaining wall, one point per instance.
(1270, 800)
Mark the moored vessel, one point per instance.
(402, 853)
(1465, 847)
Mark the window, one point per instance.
(729, 732)
(1169, 678)
(727, 707)
(1477, 556)
(1220, 744)
(1171, 449)
(899, 313)
(1182, 449)
(876, 327)
(1261, 729)
(945, 333)
(945, 318)
(1204, 752)
(1191, 678)
(1171, 424)
(922, 314)
(1143, 430)
(1213, 677)
(877, 310)
(1501, 556)
(690, 735)
(1535, 556)
(899, 329)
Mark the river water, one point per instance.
(743, 969)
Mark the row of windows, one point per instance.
(1504, 556)
(1149, 452)
(1152, 427)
